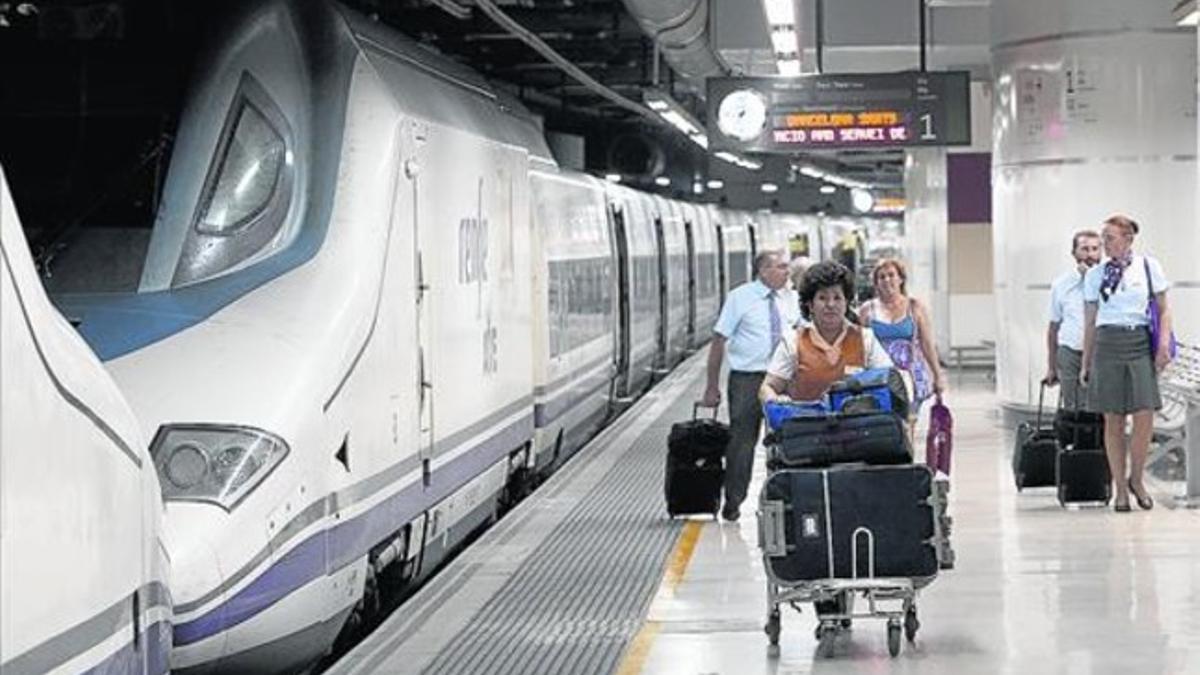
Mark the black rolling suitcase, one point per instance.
(695, 465)
(1078, 428)
(836, 438)
(1082, 466)
(818, 523)
(1035, 456)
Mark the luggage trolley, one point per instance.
(826, 578)
(813, 524)
(890, 598)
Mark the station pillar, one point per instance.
(1094, 114)
(926, 233)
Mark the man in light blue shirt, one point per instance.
(1064, 337)
(755, 317)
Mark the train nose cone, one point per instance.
(197, 587)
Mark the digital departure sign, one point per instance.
(789, 114)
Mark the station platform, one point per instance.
(588, 575)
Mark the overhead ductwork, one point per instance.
(680, 31)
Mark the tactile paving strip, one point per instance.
(582, 594)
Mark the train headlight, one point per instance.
(213, 463)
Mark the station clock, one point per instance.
(742, 115)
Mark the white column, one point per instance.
(925, 235)
(1095, 114)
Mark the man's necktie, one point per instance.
(776, 320)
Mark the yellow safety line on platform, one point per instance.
(639, 649)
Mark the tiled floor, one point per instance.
(1037, 589)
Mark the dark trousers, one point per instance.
(745, 423)
(1074, 396)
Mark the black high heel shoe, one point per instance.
(1144, 502)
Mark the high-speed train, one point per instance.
(83, 569)
(372, 310)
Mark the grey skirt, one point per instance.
(1123, 378)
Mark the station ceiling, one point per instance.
(607, 42)
(95, 84)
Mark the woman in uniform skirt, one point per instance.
(1120, 365)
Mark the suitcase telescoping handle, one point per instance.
(1041, 400)
(697, 405)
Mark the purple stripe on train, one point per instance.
(352, 539)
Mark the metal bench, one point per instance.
(1177, 425)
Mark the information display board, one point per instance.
(813, 112)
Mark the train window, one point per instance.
(248, 192)
(248, 174)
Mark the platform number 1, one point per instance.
(927, 127)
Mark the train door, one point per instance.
(423, 260)
(692, 264)
(721, 279)
(660, 239)
(753, 237)
(620, 248)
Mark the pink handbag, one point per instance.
(939, 442)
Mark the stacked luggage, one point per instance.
(1067, 454)
(845, 513)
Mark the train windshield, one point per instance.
(244, 204)
(219, 209)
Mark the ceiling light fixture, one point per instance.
(662, 181)
(738, 160)
(676, 115)
(780, 11)
(781, 25)
(828, 189)
(769, 188)
(1186, 13)
(612, 177)
(716, 184)
(862, 200)
(832, 178)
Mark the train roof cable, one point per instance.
(534, 42)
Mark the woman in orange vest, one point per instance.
(829, 348)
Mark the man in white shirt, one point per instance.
(1064, 336)
(755, 317)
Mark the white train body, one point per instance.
(82, 565)
(372, 308)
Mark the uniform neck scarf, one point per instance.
(1114, 269)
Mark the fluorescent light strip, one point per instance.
(814, 172)
(783, 39)
(779, 11)
(679, 122)
(738, 160)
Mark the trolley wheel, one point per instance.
(911, 623)
(825, 633)
(893, 638)
(772, 628)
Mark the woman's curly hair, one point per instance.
(826, 274)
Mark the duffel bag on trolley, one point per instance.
(837, 438)
(874, 389)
